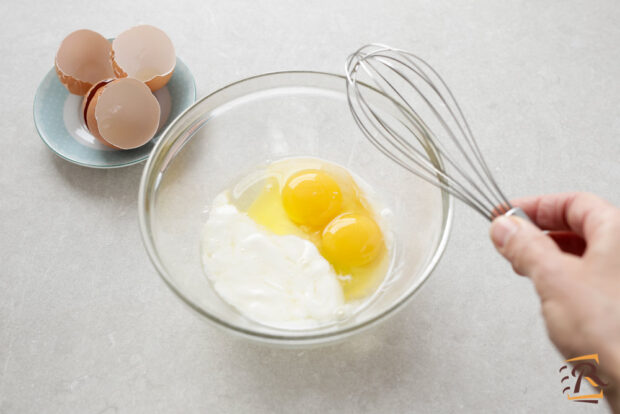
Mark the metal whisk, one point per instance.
(429, 122)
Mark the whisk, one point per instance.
(428, 122)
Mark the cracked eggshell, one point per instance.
(144, 53)
(121, 113)
(88, 109)
(83, 59)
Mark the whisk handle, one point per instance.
(517, 211)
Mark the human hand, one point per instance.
(576, 272)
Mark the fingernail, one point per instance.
(502, 230)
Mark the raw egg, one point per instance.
(144, 53)
(321, 202)
(311, 197)
(82, 60)
(352, 240)
(121, 113)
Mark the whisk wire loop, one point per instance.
(420, 95)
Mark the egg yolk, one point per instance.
(311, 198)
(352, 240)
(323, 204)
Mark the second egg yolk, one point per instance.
(311, 198)
(352, 240)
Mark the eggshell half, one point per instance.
(123, 113)
(88, 109)
(144, 53)
(83, 59)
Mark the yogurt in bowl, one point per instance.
(300, 245)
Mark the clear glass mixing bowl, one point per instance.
(265, 118)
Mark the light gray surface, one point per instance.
(86, 325)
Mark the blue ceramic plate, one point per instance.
(57, 116)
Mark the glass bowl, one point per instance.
(262, 119)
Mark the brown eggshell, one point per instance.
(83, 59)
(145, 53)
(124, 113)
(88, 110)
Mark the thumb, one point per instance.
(526, 247)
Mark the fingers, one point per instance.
(582, 213)
(528, 249)
(569, 242)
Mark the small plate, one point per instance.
(57, 116)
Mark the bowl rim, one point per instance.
(146, 235)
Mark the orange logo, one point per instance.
(583, 368)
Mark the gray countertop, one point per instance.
(86, 325)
